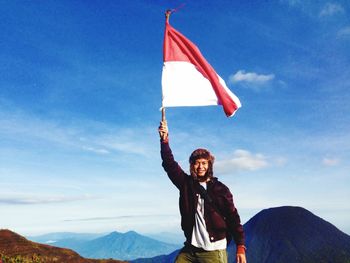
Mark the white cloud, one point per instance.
(250, 77)
(344, 32)
(123, 143)
(242, 160)
(330, 9)
(330, 161)
(35, 199)
(96, 150)
(121, 217)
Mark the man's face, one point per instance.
(201, 167)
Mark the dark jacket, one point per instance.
(217, 226)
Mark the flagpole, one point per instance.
(163, 114)
(167, 15)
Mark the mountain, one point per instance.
(286, 235)
(124, 246)
(18, 249)
(294, 234)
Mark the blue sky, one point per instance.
(79, 109)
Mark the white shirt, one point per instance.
(200, 235)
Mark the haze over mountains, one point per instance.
(276, 235)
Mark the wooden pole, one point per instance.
(167, 15)
(163, 114)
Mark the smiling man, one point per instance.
(209, 218)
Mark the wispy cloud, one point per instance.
(96, 150)
(330, 161)
(125, 140)
(251, 77)
(94, 137)
(242, 160)
(331, 9)
(344, 32)
(37, 200)
(316, 9)
(122, 217)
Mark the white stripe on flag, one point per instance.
(184, 85)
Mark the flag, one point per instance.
(188, 79)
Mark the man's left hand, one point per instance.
(240, 258)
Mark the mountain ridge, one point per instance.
(16, 247)
(127, 246)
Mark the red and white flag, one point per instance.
(188, 79)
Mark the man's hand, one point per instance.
(163, 131)
(240, 258)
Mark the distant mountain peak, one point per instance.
(126, 246)
(114, 233)
(132, 232)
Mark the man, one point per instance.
(209, 218)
